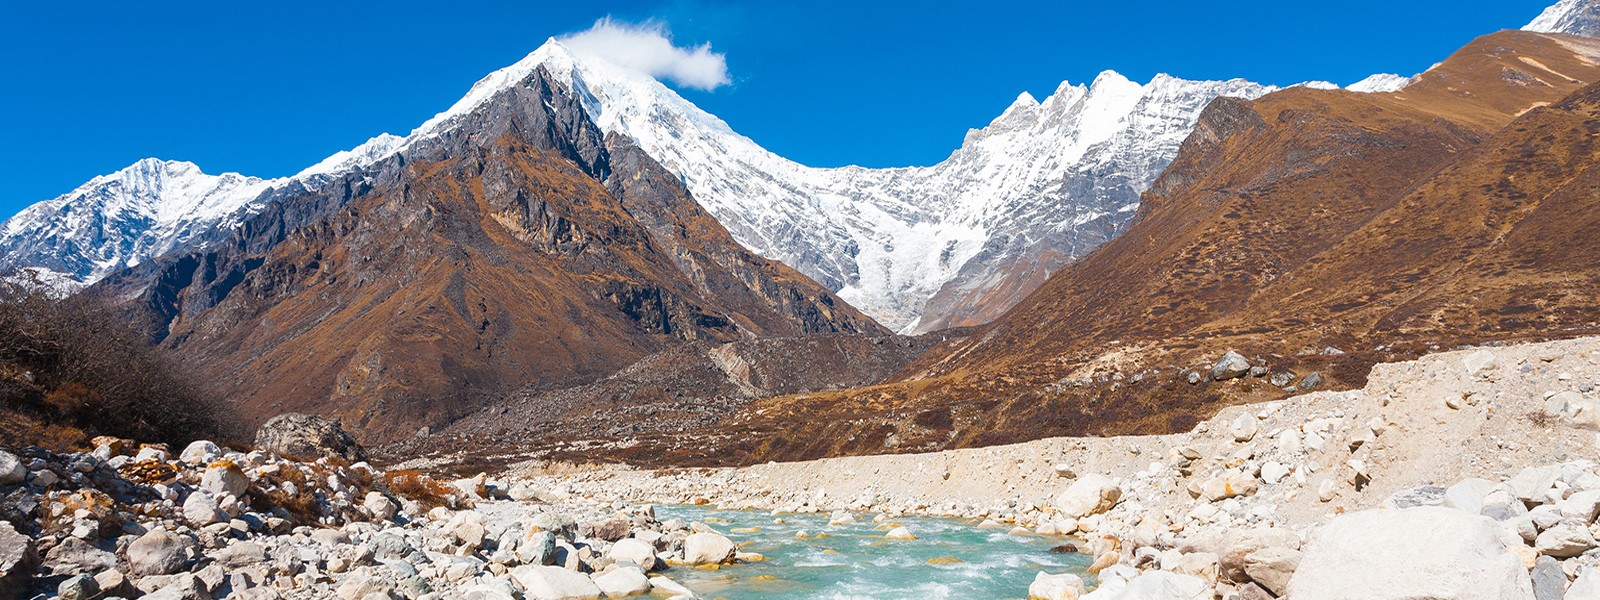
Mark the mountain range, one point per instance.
(916, 248)
(1315, 232)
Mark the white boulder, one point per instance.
(381, 507)
(634, 551)
(1090, 495)
(1564, 540)
(899, 533)
(200, 509)
(1244, 427)
(1161, 585)
(12, 470)
(623, 582)
(1230, 366)
(1420, 552)
(200, 452)
(707, 548)
(554, 583)
(1065, 586)
(224, 479)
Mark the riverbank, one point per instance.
(1482, 423)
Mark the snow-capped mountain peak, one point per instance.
(1380, 83)
(120, 219)
(552, 52)
(1576, 17)
(889, 240)
(370, 151)
(146, 209)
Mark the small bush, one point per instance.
(414, 485)
(76, 361)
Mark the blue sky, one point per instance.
(267, 88)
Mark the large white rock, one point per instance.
(1065, 586)
(200, 509)
(1586, 586)
(1583, 506)
(1091, 494)
(1244, 427)
(1564, 540)
(623, 582)
(381, 507)
(157, 552)
(200, 452)
(11, 469)
(224, 479)
(1161, 585)
(1204, 565)
(1478, 361)
(1241, 543)
(1230, 366)
(1273, 471)
(1228, 485)
(634, 551)
(554, 583)
(1421, 552)
(708, 548)
(668, 586)
(362, 586)
(1272, 567)
(1533, 483)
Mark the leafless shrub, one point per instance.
(80, 363)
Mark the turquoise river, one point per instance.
(951, 558)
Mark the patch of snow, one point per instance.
(1380, 83)
(369, 152)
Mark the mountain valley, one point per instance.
(576, 338)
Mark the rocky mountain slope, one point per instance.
(516, 245)
(1311, 230)
(667, 397)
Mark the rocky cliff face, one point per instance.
(516, 246)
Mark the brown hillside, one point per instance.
(517, 249)
(1382, 225)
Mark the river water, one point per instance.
(951, 558)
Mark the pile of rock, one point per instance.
(1533, 536)
(130, 521)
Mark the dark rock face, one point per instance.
(309, 437)
(517, 247)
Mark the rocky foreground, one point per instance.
(1465, 474)
(126, 521)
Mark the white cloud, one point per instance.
(647, 47)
